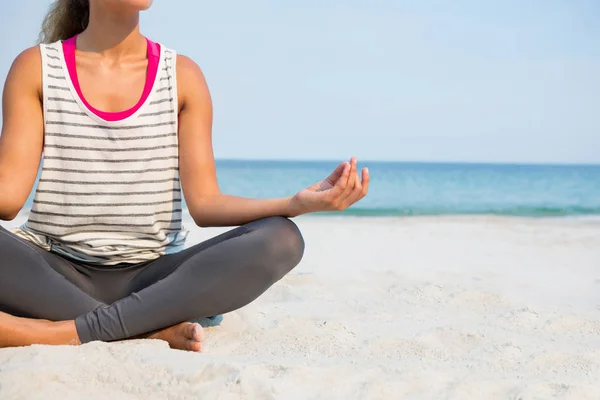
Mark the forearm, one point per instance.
(228, 210)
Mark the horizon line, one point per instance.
(439, 162)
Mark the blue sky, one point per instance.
(495, 81)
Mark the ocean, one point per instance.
(407, 189)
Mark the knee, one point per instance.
(283, 246)
(284, 239)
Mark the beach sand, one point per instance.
(388, 308)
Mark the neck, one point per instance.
(112, 33)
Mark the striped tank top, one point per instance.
(109, 190)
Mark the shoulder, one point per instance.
(29, 60)
(188, 70)
(191, 82)
(26, 69)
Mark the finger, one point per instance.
(342, 182)
(336, 174)
(354, 195)
(351, 178)
(354, 181)
(366, 179)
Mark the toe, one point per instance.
(193, 345)
(196, 333)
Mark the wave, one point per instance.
(520, 211)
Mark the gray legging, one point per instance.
(214, 277)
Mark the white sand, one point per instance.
(421, 308)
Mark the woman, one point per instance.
(101, 256)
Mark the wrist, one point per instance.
(291, 207)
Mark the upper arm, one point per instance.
(22, 139)
(196, 160)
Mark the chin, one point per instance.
(137, 5)
(140, 4)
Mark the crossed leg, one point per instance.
(217, 276)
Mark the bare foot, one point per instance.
(184, 336)
(15, 331)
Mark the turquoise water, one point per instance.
(432, 189)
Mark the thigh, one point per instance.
(274, 240)
(165, 265)
(36, 283)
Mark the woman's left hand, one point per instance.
(339, 191)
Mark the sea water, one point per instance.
(404, 189)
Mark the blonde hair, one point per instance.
(65, 19)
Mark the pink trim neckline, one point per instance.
(69, 47)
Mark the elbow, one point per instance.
(201, 221)
(8, 212)
(198, 217)
(201, 209)
(8, 215)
